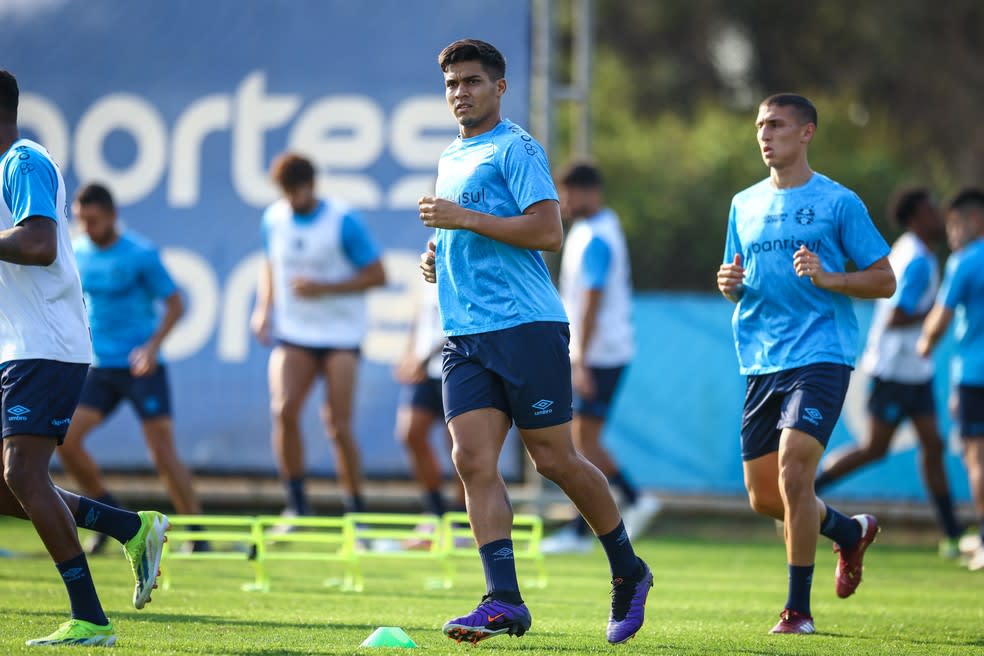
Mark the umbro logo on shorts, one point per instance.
(542, 407)
(813, 416)
(17, 413)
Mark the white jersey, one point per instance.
(42, 315)
(427, 332)
(612, 344)
(312, 248)
(890, 353)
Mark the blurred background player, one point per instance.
(962, 297)
(902, 381)
(788, 241)
(311, 300)
(421, 403)
(123, 282)
(44, 353)
(596, 288)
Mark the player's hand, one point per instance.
(143, 360)
(259, 323)
(731, 277)
(923, 347)
(410, 370)
(441, 213)
(307, 288)
(807, 264)
(428, 268)
(583, 381)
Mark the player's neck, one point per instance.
(486, 125)
(8, 135)
(796, 174)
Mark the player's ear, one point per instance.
(808, 130)
(500, 86)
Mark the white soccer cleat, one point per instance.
(640, 514)
(976, 562)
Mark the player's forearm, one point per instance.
(33, 242)
(588, 321)
(174, 310)
(873, 282)
(368, 277)
(539, 230)
(899, 318)
(935, 325)
(264, 288)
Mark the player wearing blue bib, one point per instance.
(902, 381)
(789, 239)
(506, 359)
(44, 353)
(123, 280)
(961, 296)
(311, 302)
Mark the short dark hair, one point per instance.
(9, 97)
(906, 202)
(967, 198)
(581, 175)
(95, 194)
(464, 50)
(805, 109)
(290, 170)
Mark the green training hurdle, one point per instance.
(527, 533)
(235, 530)
(334, 535)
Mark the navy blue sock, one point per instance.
(500, 570)
(434, 502)
(81, 590)
(800, 582)
(627, 489)
(581, 527)
(354, 503)
(840, 528)
(109, 500)
(947, 518)
(296, 498)
(114, 522)
(621, 556)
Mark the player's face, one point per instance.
(98, 222)
(301, 198)
(932, 219)
(956, 230)
(473, 97)
(781, 137)
(578, 202)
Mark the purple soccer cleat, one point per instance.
(850, 562)
(791, 621)
(489, 619)
(628, 606)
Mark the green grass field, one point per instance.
(713, 594)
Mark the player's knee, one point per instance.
(473, 465)
(875, 451)
(20, 478)
(554, 465)
(765, 504)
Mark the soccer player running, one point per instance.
(44, 354)
(902, 381)
(123, 279)
(506, 359)
(596, 288)
(789, 238)
(962, 296)
(421, 404)
(311, 301)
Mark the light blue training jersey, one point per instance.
(483, 284)
(963, 292)
(783, 321)
(122, 284)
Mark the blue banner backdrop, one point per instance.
(675, 424)
(180, 106)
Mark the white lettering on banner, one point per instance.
(345, 135)
(390, 309)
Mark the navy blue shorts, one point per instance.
(38, 397)
(606, 384)
(893, 402)
(971, 413)
(808, 399)
(320, 353)
(424, 396)
(105, 387)
(524, 371)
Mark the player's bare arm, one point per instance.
(731, 279)
(32, 242)
(538, 228)
(934, 327)
(428, 268)
(259, 322)
(143, 359)
(369, 276)
(877, 281)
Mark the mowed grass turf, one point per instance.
(717, 591)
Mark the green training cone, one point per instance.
(389, 636)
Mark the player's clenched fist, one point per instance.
(427, 266)
(442, 213)
(730, 278)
